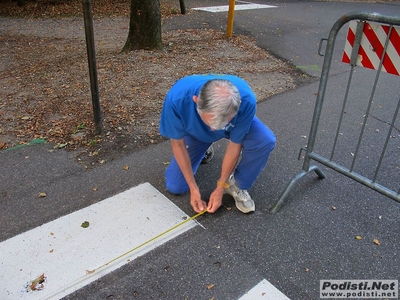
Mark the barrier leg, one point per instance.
(291, 184)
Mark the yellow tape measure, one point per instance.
(149, 241)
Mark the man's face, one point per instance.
(207, 119)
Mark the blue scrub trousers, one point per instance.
(256, 147)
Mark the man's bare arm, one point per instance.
(229, 162)
(182, 157)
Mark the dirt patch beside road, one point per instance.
(45, 90)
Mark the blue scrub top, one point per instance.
(179, 116)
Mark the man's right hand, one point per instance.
(196, 202)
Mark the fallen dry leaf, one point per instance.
(376, 242)
(359, 237)
(210, 286)
(126, 168)
(38, 283)
(42, 195)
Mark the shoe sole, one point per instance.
(208, 159)
(245, 211)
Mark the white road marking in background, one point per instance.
(265, 291)
(224, 8)
(63, 250)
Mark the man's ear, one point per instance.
(195, 98)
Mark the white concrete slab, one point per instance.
(224, 8)
(63, 250)
(264, 291)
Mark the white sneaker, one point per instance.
(243, 201)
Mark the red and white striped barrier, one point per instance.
(372, 47)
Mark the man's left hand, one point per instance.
(215, 200)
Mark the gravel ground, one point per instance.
(45, 94)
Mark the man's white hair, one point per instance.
(221, 99)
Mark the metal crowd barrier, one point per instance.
(387, 59)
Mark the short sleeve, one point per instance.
(171, 124)
(243, 124)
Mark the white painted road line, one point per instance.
(63, 250)
(265, 291)
(224, 8)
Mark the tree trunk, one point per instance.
(144, 26)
